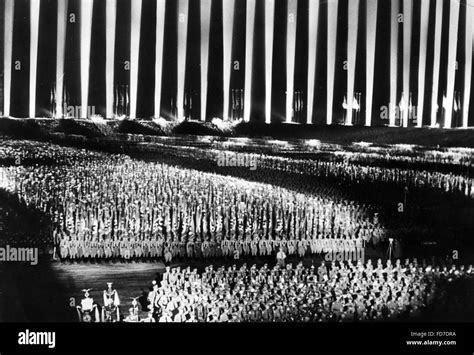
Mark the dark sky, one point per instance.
(47, 54)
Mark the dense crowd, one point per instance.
(346, 291)
(21, 152)
(117, 207)
(359, 152)
(343, 170)
(105, 206)
(110, 206)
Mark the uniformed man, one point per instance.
(281, 256)
(110, 310)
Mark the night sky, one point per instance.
(47, 57)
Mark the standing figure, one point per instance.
(111, 311)
(88, 312)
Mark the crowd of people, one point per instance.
(345, 170)
(22, 152)
(113, 207)
(109, 206)
(118, 207)
(361, 153)
(340, 291)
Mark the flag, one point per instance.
(355, 104)
(344, 103)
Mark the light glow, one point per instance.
(290, 57)
(393, 61)
(183, 8)
(110, 23)
(206, 6)
(136, 19)
(331, 58)
(312, 45)
(160, 33)
(436, 61)
(228, 9)
(35, 7)
(468, 61)
(60, 56)
(269, 35)
(370, 58)
(351, 54)
(87, 7)
(452, 44)
(407, 31)
(249, 36)
(425, 9)
(7, 59)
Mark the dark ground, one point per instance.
(43, 128)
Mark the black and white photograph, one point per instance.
(237, 161)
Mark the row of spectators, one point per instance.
(153, 248)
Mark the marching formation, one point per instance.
(119, 208)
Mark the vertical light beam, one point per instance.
(7, 59)
(249, 35)
(228, 7)
(331, 57)
(312, 45)
(183, 8)
(370, 58)
(436, 61)
(160, 33)
(452, 47)
(110, 24)
(60, 55)
(269, 35)
(290, 57)
(468, 61)
(393, 61)
(136, 20)
(424, 22)
(407, 30)
(351, 54)
(206, 6)
(35, 6)
(87, 7)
